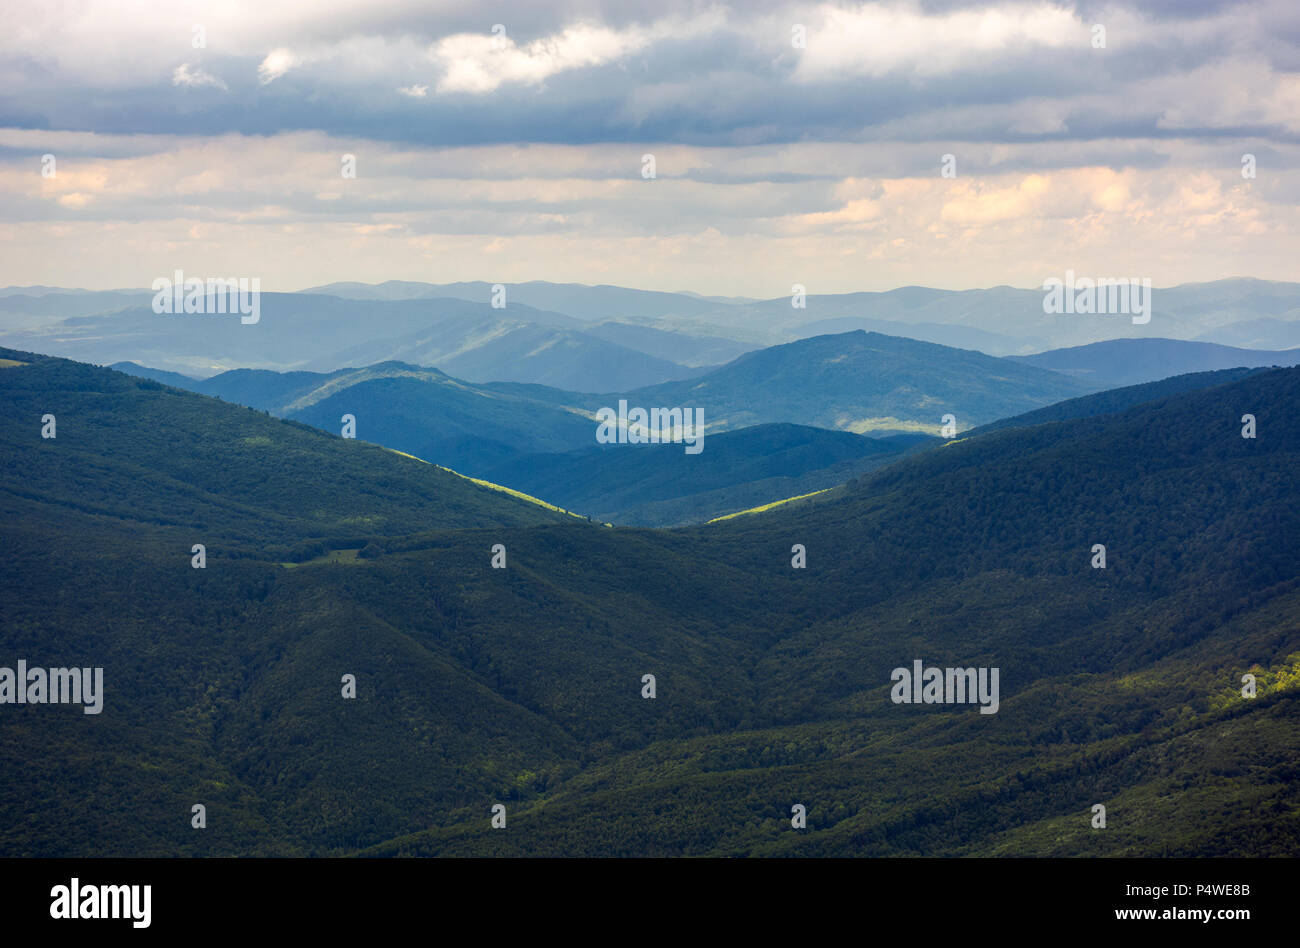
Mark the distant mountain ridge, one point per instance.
(762, 415)
(601, 338)
(1119, 362)
(417, 410)
(858, 382)
(325, 333)
(864, 382)
(581, 301)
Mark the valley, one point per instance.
(522, 686)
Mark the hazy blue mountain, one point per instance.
(35, 309)
(294, 331)
(174, 379)
(718, 299)
(1187, 311)
(323, 333)
(1119, 362)
(588, 303)
(857, 382)
(998, 320)
(514, 351)
(445, 422)
(986, 310)
(548, 448)
(661, 485)
(265, 389)
(544, 393)
(863, 382)
(682, 348)
(51, 301)
(39, 290)
(1265, 333)
(410, 408)
(961, 337)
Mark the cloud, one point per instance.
(825, 160)
(876, 38)
(746, 220)
(480, 63)
(675, 71)
(188, 74)
(276, 64)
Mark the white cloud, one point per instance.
(478, 63)
(188, 74)
(877, 39)
(858, 220)
(1141, 172)
(276, 64)
(482, 62)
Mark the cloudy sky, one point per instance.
(791, 142)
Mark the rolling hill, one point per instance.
(659, 485)
(1120, 686)
(1118, 362)
(1004, 320)
(560, 334)
(324, 333)
(225, 470)
(863, 382)
(417, 410)
(523, 685)
(678, 347)
(854, 382)
(1115, 400)
(174, 379)
(438, 418)
(514, 351)
(581, 301)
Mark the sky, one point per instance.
(791, 143)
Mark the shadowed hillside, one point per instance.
(523, 685)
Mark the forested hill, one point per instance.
(864, 381)
(141, 453)
(1118, 399)
(524, 685)
(1121, 685)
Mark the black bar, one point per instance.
(944, 898)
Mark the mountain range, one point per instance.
(606, 338)
(999, 320)
(524, 685)
(540, 440)
(1118, 362)
(762, 448)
